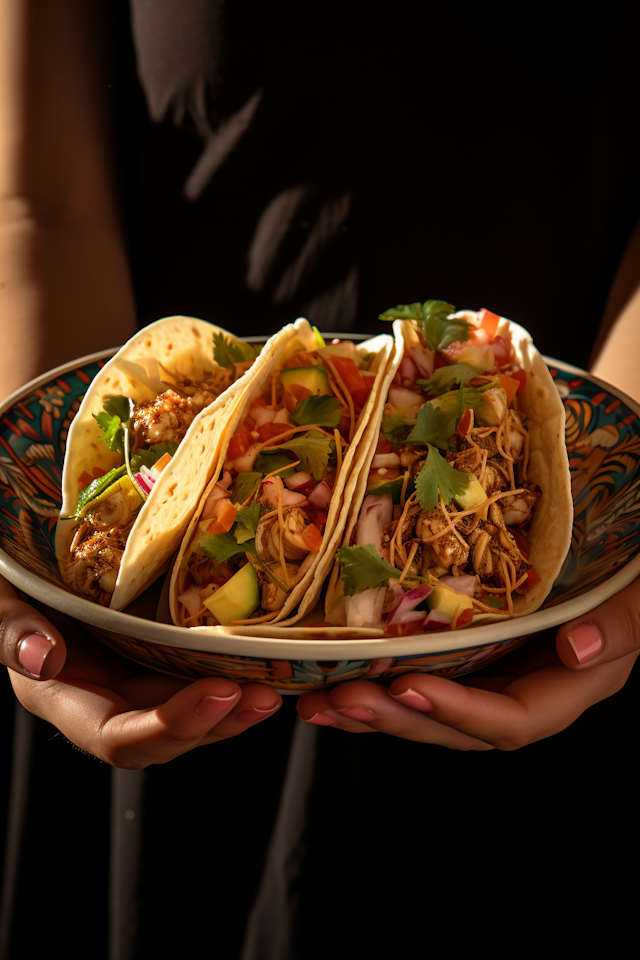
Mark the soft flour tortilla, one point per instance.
(184, 346)
(305, 595)
(549, 532)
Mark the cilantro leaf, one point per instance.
(363, 569)
(273, 459)
(434, 425)
(226, 353)
(245, 486)
(111, 432)
(313, 450)
(444, 377)
(436, 475)
(438, 328)
(395, 428)
(246, 522)
(321, 411)
(116, 415)
(404, 311)
(433, 319)
(223, 546)
(147, 458)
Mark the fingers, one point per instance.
(364, 707)
(29, 643)
(610, 632)
(430, 709)
(103, 723)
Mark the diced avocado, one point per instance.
(313, 379)
(479, 357)
(302, 382)
(379, 485)
(237, 598)
(473, 496)
(448, 601)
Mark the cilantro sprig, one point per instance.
(363, 569)
(227, 353)
(444, 377)
(434, 320)
(437, 475)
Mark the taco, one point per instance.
(463, 510)
(262, 540)
(140, 451)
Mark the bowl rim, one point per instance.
(234, 642)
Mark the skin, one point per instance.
(63, 259)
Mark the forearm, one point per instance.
(65, 288)
(64, 292)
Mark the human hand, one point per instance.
(526, 696)
(109, 706)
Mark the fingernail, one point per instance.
(321, 720)
(357, 713)
(413, 699)
(254, 713)
(33, 651)
(586, 640)
(210, 707)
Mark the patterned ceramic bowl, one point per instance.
(603, 439)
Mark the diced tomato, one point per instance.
(268, 430)
(489, 322)
(317, 517)
(349, 373)
(258, 402)
(344, 425)
(510, 385)
(501, 351)
(224, 515)
(312, 538)
(450, 353)
(465, 422)
(533, 577)
(521, 541)
(520, 376)
(360, 396)
(86, 478)
(465, 617)
(384, 445)
(238, 445)
(294, 394)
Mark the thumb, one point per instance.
(29, 644)
(610, 632)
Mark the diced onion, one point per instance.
(424, 360)
(375, 516)
(463, 584)
(298, 479)
(320, 496)
(146, 487)
(408, 603)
